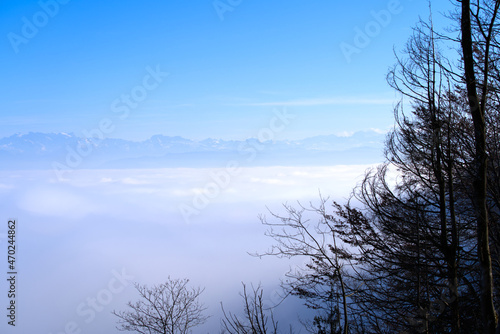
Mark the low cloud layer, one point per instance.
(74, 235)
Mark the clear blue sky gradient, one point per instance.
(225, 75)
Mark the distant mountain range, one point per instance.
(49, 150)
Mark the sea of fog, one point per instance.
(82, 239)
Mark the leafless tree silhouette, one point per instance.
(168, 308)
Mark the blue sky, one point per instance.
(226, 72)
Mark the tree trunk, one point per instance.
(477, 108)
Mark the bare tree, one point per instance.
(168, 308)
(321, 282)
(255, 319)
(484, 20)
(423, 146)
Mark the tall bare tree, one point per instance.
(484, 14)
